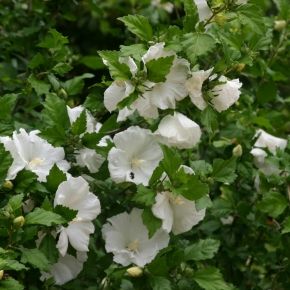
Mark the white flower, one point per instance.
(127, 238)
(177, 213)
(75, 194)
(204, 11)
(226, 94)
(33, 153)
(66, 268)
(178, 131)
(270, 142)
(167, 6)
(135, 156)
(194, 87)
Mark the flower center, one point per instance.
(35, 162)
(133, 246)
(176, 200)
(136, 163)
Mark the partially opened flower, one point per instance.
(226, 93)
(33, 153)
(178, 214)
(178, 131)
(75, 194)
(127, 238)
(135, 156)
(194, 87)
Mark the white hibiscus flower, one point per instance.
(194, 87)
(226, 94)
(75, 194)
(177, 213)
(135, 156)
(178, 131)
(265, 140)
(33, 153)
(203, 10)
(127, 238)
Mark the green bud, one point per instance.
(62, 92)
(279, 25)
(238, 151)
(240, 67)
(220, 19)
(134, 271)
(19, 221)
(8, 184)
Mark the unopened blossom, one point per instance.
(31, 152)
(135, 156)
(226, 93)
(203, 10)
(179, 131)
(127, 238)
(194, 87)
(75, 194)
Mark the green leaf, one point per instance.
(150, 221)
(160, 283)
(5, 161)
(224, 170)
(117, 70)
(67, 213)
(43, 217)
(202, 250)
(35, 258)
(138, 25)
(197, 44)
(53, 40)
(210, 279)
(15, 202)
(10, 284)
(273, 204)
(158, 69)
(79, 126)
(40, 87)
(201, 167)
(134, 50)
(62, 68)
(128, 100)
(48, 247)
(286, 226)
(55, 177)
(209, 120)
(7, 104)
(191, 15)
(55, 112)
(75, 85)
(144, 196)
(11, 265)
(171, 161)
(92, 61)
(24, 181)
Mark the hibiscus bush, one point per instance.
(144, 144)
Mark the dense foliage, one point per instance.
(154, 164)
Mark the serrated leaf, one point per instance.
(24, 180)
(144, 196)
(224, 170)
(171, 161)
(191, 15)
(210, 279)
(202, 250)
(158, 69)
(7, 104)
(79, 126)
(40, 216)
(10, 284)
(55, 177)
(15, 202)
(41, 87)
(75, 85)
(151, 222)
(135, 50)
(5, 161)
(7, 264)
(197, 44)
(138, 25)
(128, 100)
(117, 70)
(35, 258)
(53, 40)
(67, 213)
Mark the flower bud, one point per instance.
(8, 184)
(238, 151)
(62, 92)
(220, 19)
(1, 274)
(279, 25)
(135, 271)
(240, 67)
(19, 221)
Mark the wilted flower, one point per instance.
(225, 94)
(75, 194)
(135, 156)
(127, 238)
(33, 153)
(178, 131)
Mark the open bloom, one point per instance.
(226, 93)
(135, 156)
(265, 140)
(178, 214)
(75, 194)
(178, 131)
(33, 153)
(127, 238)
(194, 87)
